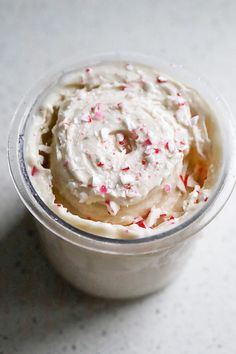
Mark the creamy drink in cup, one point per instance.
(122, 159)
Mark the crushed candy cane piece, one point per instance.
(167, 187)
(34, 170)
(103, 189)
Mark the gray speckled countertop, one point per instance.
(39, 312)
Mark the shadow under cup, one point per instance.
(120, 268)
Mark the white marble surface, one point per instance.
(39, 312)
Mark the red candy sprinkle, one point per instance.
(100, 164)
(34, 170)
(144, 162)
(122, 142)
(167, 146)
(205, 199)
(58, 205)
(127, 186)
(125, 169)
(163, 215)
(147, 142)
(103, 189)
(184, 179)
(141, 224)
(156, 150)
(171, 217)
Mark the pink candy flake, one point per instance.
(98, 114)
(181, 102)
(103, 189)
(34, 170)
(125, 169)
(147, 142)
(167, 188)
(161, 80)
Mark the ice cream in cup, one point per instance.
(122, 159)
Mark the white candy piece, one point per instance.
(113, 207)
(104, 133)
(126, 179)
(153, 216)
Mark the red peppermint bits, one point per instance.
(90, 119)
(184, 179)
(121, 142)
(171, 217)
(58, 205)
(205, 199)
(163, 215)
(167, 146)
(144, 162)
(127, 186)
(141, 224)
(34, 170)
(156, 151)
(88, 70)
(125, 169)
(147, 142)
(100, 164)
(103, 189)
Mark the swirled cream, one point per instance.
(121, 150)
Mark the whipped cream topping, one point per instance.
(121, 150)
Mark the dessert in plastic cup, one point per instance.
(123, 159)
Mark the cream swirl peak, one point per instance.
(121, 150)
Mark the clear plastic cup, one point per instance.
(120, 268)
